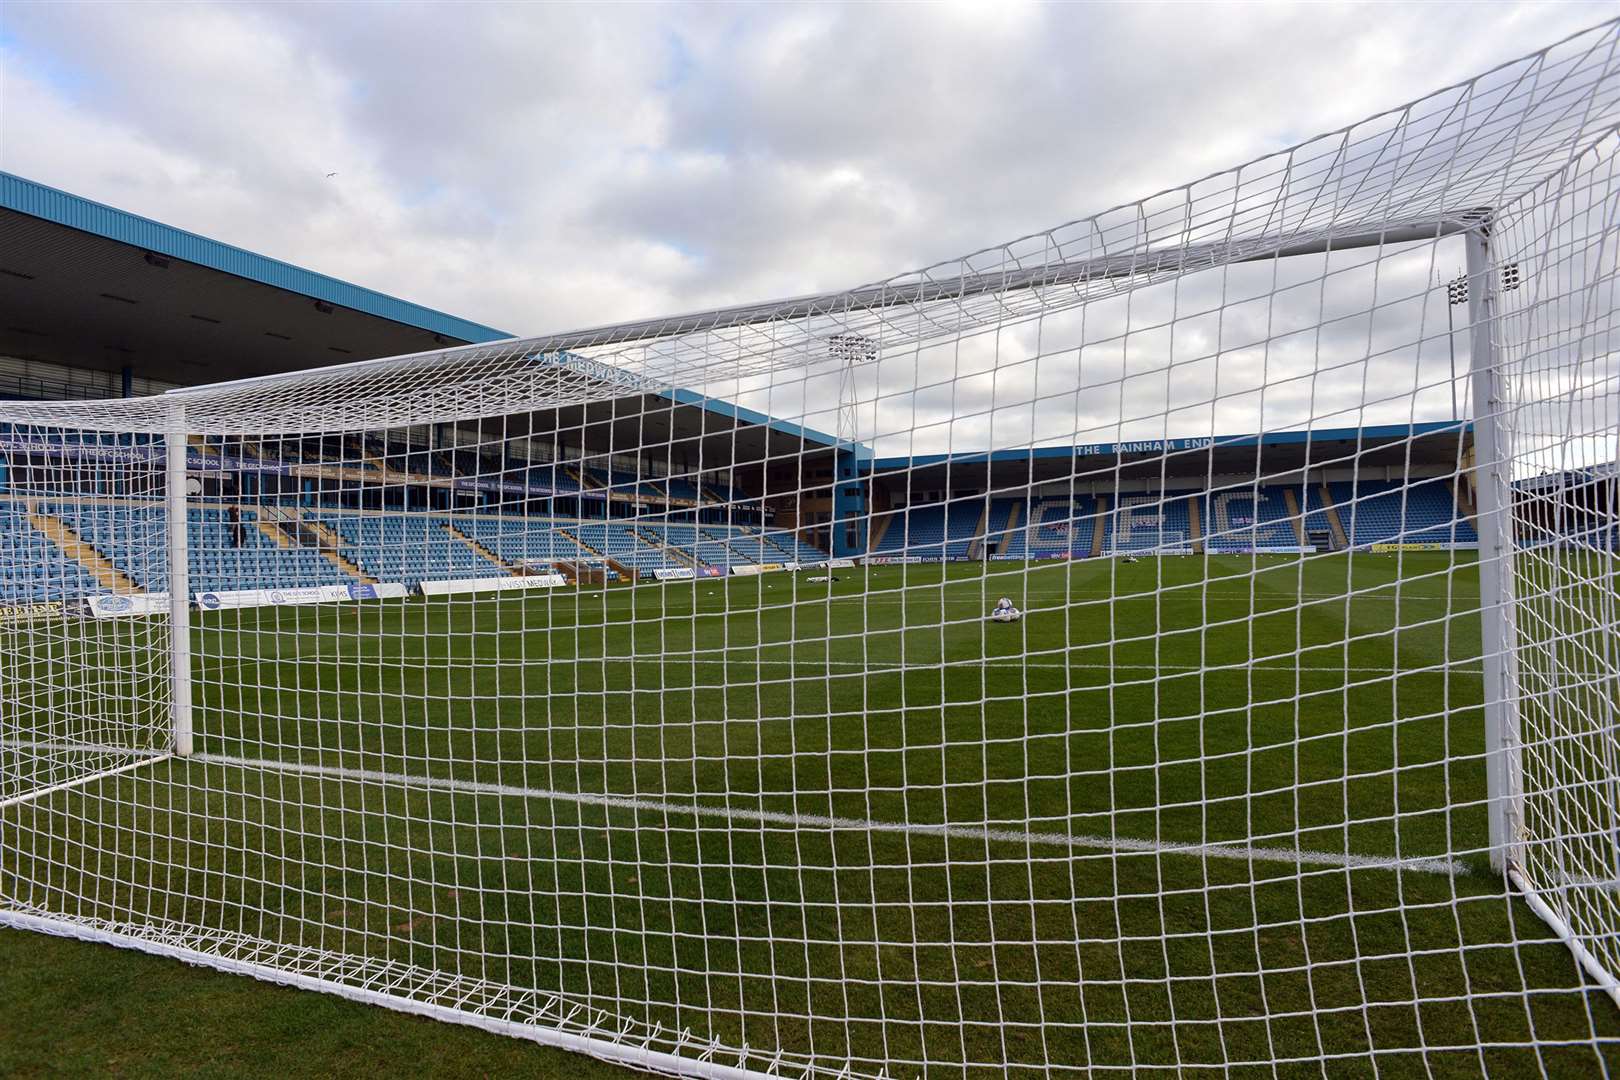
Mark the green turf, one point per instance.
(566, 738)
(74, 1009)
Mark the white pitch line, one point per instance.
(920, 594)
(879, 666)
(1240, 852)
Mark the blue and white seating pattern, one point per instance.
(32, 568)
(1050, 528)
(621, 544)
(1386, 511)
(521, 540)
(1243, 518)
(408, 548)
(1148, 522)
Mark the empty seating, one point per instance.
(521, 540)
(32, 568)
(407, 548)
(1147, 522)
(1053, 528)
(1386, 511)
(1244, 518)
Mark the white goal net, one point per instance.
(632, 689)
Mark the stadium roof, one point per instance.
(92, 286)
(1219, 451)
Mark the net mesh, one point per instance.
(634, 689)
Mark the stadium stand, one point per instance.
(520, 540)
(1052, 528)
(792, 547)
(1387, 511)
(1149, 522)
(33, 569)
(918, 532)
(708, 549)
(408, 548)
(623, 545)
(1241, 519)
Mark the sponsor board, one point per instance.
(21, 613)
(892, 560)
(82, 451)
(118, 607)
(1384, 549)
(749, 569)
(381, 591)
(1269, 549)
(678, 573)
(492, 584)
(712, 571)
(295, 597)
(840, 564)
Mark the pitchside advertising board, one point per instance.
(22, 613)
(1384, 549)
(318, 594)
(118, 607)
(492, 584)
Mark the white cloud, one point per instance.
(546, 167)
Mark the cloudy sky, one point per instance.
(547, 167)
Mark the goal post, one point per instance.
(179, 591)
(632, 690)
(1493, 487)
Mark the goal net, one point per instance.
(631, 690)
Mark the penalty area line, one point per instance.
(1073, 841)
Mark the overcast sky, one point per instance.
(542, 167)
(545, 167)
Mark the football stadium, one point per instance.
(1180, 642)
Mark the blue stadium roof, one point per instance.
(95, 286)
(76, 212)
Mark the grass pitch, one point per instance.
(1190, 815)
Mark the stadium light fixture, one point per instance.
(1456, 293)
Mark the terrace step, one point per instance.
(625, 573)
(275, 532)
(1012, 526)
(75, 547)
(651, 540)
(975, 549)
(1295, 518)
(882, 530)
(480, 549)
(1340, 539)
(337, 559)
